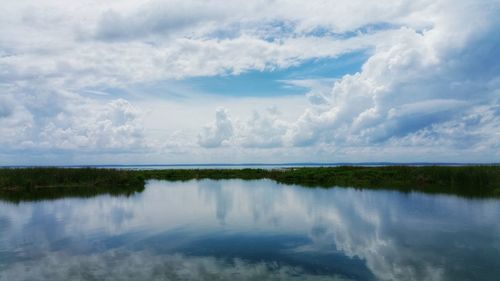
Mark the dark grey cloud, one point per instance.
(5, 108)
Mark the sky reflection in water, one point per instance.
(227, 230)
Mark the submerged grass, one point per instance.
(46, 183)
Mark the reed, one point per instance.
(46, 183)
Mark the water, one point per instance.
(253, 166)
(251, 230)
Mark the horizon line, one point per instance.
(381, 163)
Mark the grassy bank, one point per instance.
(41, 183)
(477, 181)
(51, 183)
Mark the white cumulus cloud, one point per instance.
(431, 69)
(435, 88)
(218, 132)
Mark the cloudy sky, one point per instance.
(135, 81)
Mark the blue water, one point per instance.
(255, 165)
(251, 230)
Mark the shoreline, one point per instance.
(38, 183)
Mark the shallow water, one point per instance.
(251, 230)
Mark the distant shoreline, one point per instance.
(36, 183)
(271, 165)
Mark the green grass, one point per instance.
(477, 181)
(46, 183)
(50, 183)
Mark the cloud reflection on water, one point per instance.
(396, 236)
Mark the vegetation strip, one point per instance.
(20, 184)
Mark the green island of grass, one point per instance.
(20, 184)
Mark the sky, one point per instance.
(149, 82)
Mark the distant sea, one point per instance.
(248, 165)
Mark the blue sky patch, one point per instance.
(270, 83)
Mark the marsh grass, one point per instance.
(47, 183)
(476, 181)
(50, 183)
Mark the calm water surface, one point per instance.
(251, 230)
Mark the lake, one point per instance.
(251, 230)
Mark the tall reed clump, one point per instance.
(47, 183)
